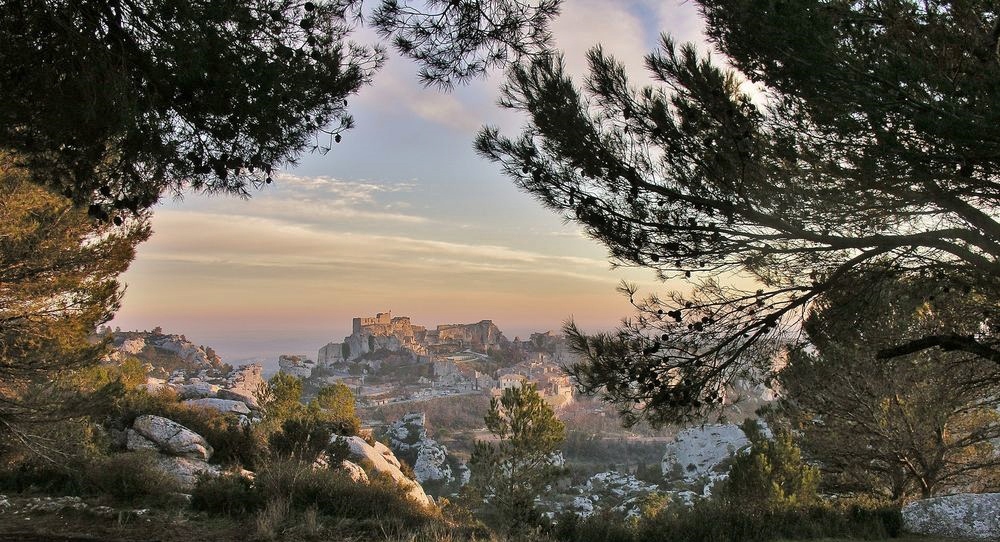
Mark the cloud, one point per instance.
(321, 200)
(586, 23)
(397, 92)
(259, 242)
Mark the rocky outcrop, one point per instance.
(135, 442)
(353, 470)
(221, 405)
(180, 453)
(242, 385)
(361, 451)
(296, 365)
(330, 354)
(609, 492)
(184, 469)
(153, 346)
(196, 390)
(408, 438)
(701, 451)
(481, 335)
(172, 438)
(967, 515)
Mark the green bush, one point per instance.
(710, 521)
(301, 438)
(32, 475)
(229, 495)
(129, 478)
(334, 494)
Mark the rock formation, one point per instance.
(701, 450)
(408, 438)
(180, 453)
(296, 365)
(605, 492)
(172, 438)
(221, 405)
(242, 384)
(383, 461)
(163, 350)
(966, 515)
(480, 336)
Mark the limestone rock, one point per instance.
(966, 515)
(408, 437)
(184, 469)
(197, 390)
(386, 454)
(432, 463)
(353, 470)
(296, 365)
(361, 450)
(222, 405)
(699, 451)
(135, 442)
(153, 385)
(242, 385)
(172, 438)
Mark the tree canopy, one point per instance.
(915, 425)
(456, 40)
(111, 103)
(846, 137)
(58, 282)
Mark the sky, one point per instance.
(402, 215)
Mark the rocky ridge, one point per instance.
(408, 438)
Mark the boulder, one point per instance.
(408, 437)
(222, 405)
(966, 515)
(172, 438)
(134, 442)
(153, 385)
(361, 450)
(353, 470)
(197, 390)
(387, 454)
(248, 399)
(184, 469)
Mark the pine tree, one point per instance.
(914, 425)
(870, 143)
(58, 282)
(511, 471)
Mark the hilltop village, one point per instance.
(388, 359)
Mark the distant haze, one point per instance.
(402, 216)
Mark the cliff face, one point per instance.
(398, 334)
(481, 335)
(166, 352)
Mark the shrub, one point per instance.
(300, 438)
(710, 521)
(230, 494)
(334, 494)
(130, 477)
(771, 475)
(299, 488)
